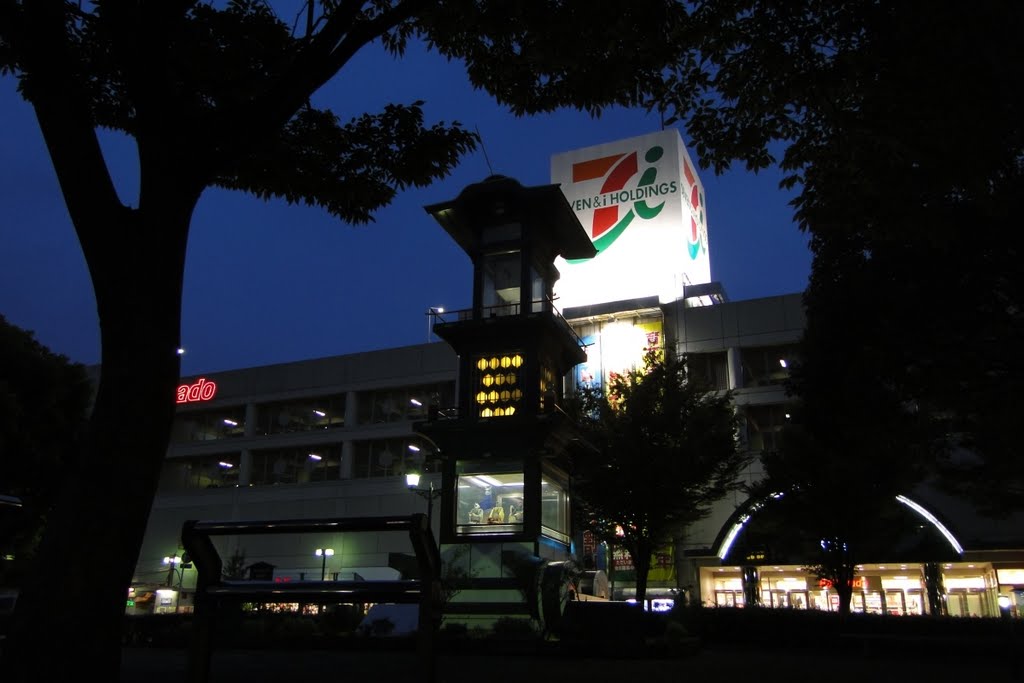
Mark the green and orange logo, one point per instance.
(615, 206)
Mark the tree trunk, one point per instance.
(73, 603)
(642, 563)
(843, 583)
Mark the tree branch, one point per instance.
(316, 63)
(62, 109)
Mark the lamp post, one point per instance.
(324, 553)
(173, 562)
(431, 312)
(412, 480)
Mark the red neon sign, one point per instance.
(200, 391)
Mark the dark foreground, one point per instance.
(803, 663)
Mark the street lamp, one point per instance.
(412, 480)
(324, 553)
(176, 565)
(431, 312)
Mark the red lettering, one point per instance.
(202, 390)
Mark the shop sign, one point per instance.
(1010, 577)
(858, 583)
(202, 390)
(589, 543)
(644, 209)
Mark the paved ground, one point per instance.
(154, 665)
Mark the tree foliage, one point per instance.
(219, 94)
(44, 401)
(851, 446)
(664, 450)
(898, 125)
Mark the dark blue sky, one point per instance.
(266, 282)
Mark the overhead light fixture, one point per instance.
(415, 402)
(230, 423)
(314, 456)
(782, 362)
(225, 465)
(414, 448)
(319, 413)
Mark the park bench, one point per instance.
(213, 590)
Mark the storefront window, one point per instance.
(488, 502)
(554, 509)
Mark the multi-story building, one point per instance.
(335, 436)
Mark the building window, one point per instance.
(489, 501)
(497, 386)
(203, 472)
(391, 457)
(766, 365)
(764, 424)
(296, 465)
(403, 403)
(208, 425)
(540, 297)
(548, 391)
(501, 278)
(554, 509)
(709, 369)
(284, 417)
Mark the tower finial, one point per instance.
(483, 148)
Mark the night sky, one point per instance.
(266, 282)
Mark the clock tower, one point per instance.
(505, 503)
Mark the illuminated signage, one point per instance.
(619, 348)
(643, 206)
(202, 390)
(1013, 577)
(858, 583)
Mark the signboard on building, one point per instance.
(202, 390)
(643, 206)
(619, 348)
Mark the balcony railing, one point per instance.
(545, 305)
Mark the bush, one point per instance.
(514, 627)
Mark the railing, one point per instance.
(213, 590)
(544, 305)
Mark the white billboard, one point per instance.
(642, 204)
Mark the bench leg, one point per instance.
(426, 643)
(200, 648)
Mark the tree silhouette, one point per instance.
(219, 95)
(895, 123)
(44, 402)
